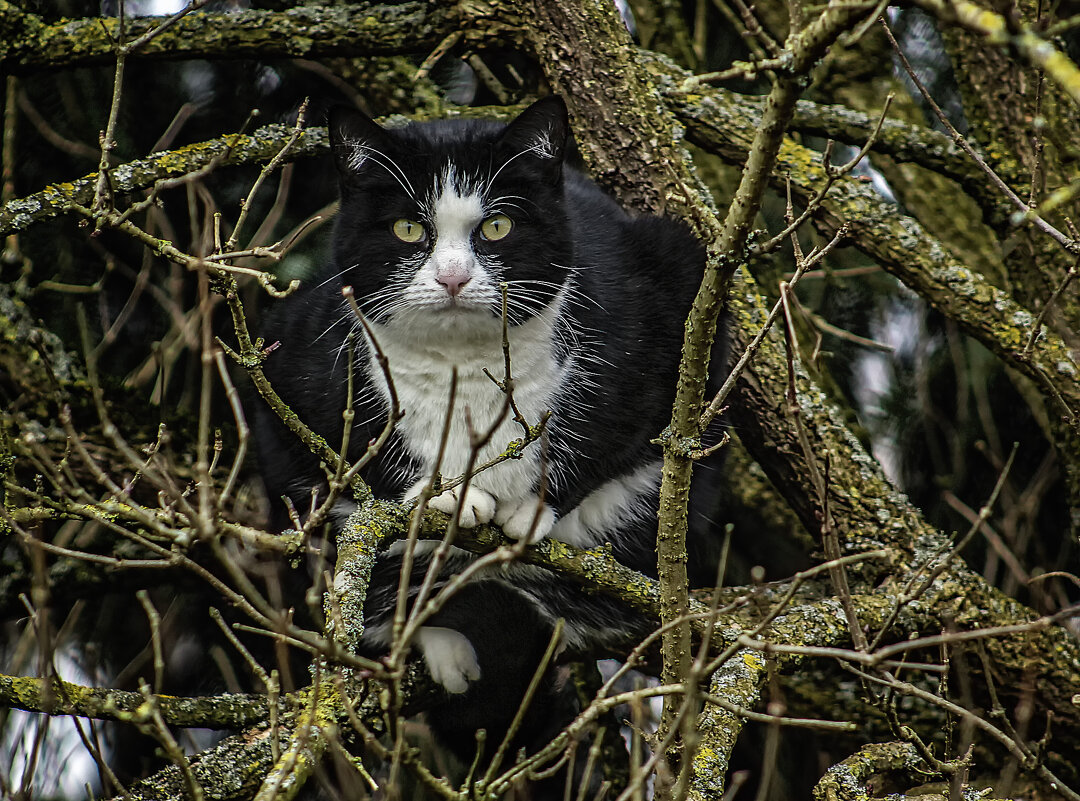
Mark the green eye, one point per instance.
(496, 227)
(408, 230)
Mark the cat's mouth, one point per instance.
(458, 305)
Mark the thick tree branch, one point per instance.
(740, 681)
(234, 149)
(235, 768)
(56, 697)
(852, 777)
(901, 246)
(28, 44)
(901, 141)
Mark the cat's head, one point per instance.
(434, 216)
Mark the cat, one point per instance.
(434, 218)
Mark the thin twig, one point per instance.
(264, 173)
(1069, 243)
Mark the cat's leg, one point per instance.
(478, 508)
(509, 635)
(527, 519)
(450, 657)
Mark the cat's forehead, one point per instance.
(456, 178)
(456, 198)
(452, 162)
(449, 134)
(466, 145)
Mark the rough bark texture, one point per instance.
(29, 44)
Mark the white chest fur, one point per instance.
(423, 351)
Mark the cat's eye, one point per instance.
(496, 227)
(408, 230)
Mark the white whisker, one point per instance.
(344, 342)
(336, 275)
(507, 163)
(364, 151)
(504, 202)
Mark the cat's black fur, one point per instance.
(613, 338)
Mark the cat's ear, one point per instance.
(354, 139)
(540, 130)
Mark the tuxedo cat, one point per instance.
(434, 218)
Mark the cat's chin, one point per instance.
(450, 312)
(459, 307)
(443, 324)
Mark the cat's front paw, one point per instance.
(450, 657)
(478, 508)
(527, 519)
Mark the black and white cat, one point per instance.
(433, 218)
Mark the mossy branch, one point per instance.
(28, 44)
(901, 141)
(258, 147)
(234, 768)
(57, 697)
(739, 680)
(901, 246)
(852, 777)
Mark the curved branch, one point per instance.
(901, 246)
(900, 141)
(28, 44)
(850, 779)
(233, 149)
(235, 768)
(57, 697)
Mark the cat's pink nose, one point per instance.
(454, 278)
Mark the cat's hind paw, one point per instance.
(450, 657)
(478, 508)
(527, 520)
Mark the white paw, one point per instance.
(526, 520)
(450, 657)
(479, 506)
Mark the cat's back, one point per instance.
(641, 254)
(637, 274)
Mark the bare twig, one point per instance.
(273, 164)
(1069, 243)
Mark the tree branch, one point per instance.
(56, 697)
(28, 44)
(901, 246)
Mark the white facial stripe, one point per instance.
(455, 215)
